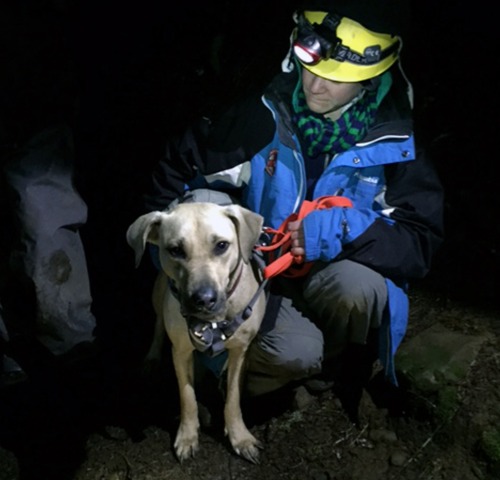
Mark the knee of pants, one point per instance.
(346, 287)
(291, 350)
(347, 300)
(292, 356)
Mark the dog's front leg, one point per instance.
(243, 442)
(153, 357)
(186, 441)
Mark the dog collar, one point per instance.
(237, 280)
(209, 337)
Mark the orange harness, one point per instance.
(288, 264)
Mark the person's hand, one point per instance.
(297, 236)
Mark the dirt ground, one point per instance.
(123, 429)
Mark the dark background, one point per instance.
(126, 75)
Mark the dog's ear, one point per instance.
(249, 228)
(143, 230)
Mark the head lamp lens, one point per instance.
(308, 54)
(316, 42)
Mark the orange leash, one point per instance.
(287, 264)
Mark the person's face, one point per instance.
(326, 96)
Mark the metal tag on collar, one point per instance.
(209, 337)
(201, 336)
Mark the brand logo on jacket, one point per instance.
(367, 179)
(271, 162)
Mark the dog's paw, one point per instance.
(248, 448)
(186, 444)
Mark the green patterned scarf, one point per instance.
(323, 135)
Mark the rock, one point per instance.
(398, 458)
(437, 357)
(302, 398)
(383, 435)
(8, 465)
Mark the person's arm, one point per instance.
(398, 242)
(210, 147)
(179, 166)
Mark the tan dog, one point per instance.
(207, 281)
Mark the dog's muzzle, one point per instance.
(209, 337)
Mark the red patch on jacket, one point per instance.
(271, 162)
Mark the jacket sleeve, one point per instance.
(179, 166)
(398, 241)
(209, 147)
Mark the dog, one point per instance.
(208, 294)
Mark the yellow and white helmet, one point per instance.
(340, 49)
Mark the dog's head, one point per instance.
(201, 247)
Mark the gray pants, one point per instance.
(337, 303)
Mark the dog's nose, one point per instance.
(205, 298)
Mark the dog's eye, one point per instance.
(221, 247)
(176, 252)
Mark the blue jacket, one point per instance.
(254, 152)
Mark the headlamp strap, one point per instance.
(371, 55)
(327, 29)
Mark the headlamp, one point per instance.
(308, 52)
(340, 49)
(316, 42)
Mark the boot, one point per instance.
(356, 369)
(384, 394)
